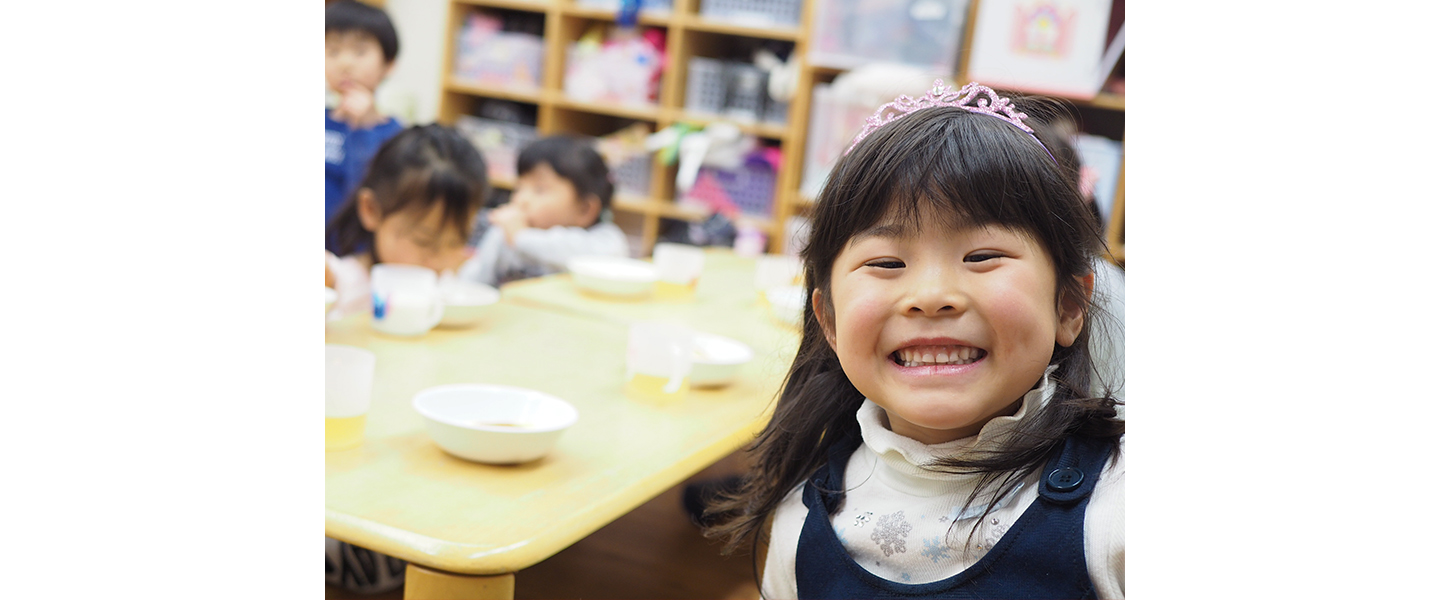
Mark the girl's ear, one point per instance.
(591, 206)
(1070, 315)
(824, 317)
(368, 210)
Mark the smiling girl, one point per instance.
(937, 435)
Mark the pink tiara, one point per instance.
(988, 103)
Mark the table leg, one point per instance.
(423, 583)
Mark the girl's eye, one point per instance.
(983, 257)
(887, 263)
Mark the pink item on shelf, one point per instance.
(708, 191)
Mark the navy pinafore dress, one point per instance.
(1040, 556)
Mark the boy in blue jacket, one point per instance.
(361, 46)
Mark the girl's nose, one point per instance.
(934, 293)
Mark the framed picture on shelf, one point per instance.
(1054, 47)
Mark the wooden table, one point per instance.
(725, 303)
(465, 527)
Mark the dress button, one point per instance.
(1064, 480)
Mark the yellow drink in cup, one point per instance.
(349, 391)
(652, 388)
(667, 290)
(657, 361)
(679, 267)
(345, 432)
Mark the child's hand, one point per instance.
(356, 107)
(510, 219)
(331, 279)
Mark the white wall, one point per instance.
(411, 92)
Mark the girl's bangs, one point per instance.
(966, 171)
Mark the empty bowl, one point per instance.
(494, 424)
(331, 298)
(716, 359)
(466, 303)
(787, 303)
(613, 276)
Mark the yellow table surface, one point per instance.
(725, 303)
(400, 494)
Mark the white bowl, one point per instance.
(495, 424)
(466, 303)
(787, 303)
(613, 276)
(331, 298)
(716, 359)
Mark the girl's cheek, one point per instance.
(861, 317)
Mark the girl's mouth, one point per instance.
(929, 356)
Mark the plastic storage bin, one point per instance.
(500, 58)
(650, 6)
(732, 89)
(765, 13)
(834, 123)
(750, 188)
(706, 86)
(924, 33)
(499, 142)
(632, 176)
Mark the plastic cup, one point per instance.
(349, 392)
(774, 270)
(679, 267)
(657, 361)
(407, 300)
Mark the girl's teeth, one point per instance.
(940, 356)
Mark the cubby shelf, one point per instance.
(695, 23)
(531, 96)
(524, 5)
(637, 112)
(774, 131)
(687, 35)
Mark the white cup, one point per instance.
(407, 299)
(657, 360)
(679, 263)
(774, 270)
(349, 392)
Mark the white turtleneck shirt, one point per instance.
(898, 520)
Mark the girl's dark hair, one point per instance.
(346, 15)
(573, 158)
(420, 166)
(960, 168)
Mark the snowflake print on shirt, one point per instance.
(891, 533)
(934, 549)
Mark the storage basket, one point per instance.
(786, 13)
(499, 142)
(750, 188)
(632, 176)
(851, 33)
(651, 6)
(706, 86)
(501, 58)
(746, 98)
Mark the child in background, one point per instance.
(936, 435)
(558, 211)
(1109, 279)
(361, 46)
(415, 207)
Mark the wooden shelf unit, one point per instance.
(687, 35)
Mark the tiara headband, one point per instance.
(988, 103)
